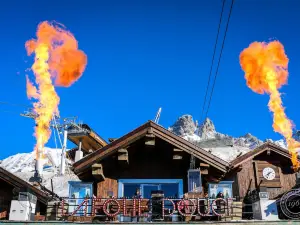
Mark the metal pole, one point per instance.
(63, 154)
(79, 147)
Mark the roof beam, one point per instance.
(97, 171)
(123, 159)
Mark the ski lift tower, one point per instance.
(67, 122)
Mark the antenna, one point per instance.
(157, 116)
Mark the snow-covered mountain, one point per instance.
(23, 166)
(224, 146)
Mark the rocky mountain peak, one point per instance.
(207, 126)
(248, 135)
(185, 125)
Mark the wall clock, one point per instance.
(269, 173)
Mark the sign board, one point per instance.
(264, 195)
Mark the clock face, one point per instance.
(268, 173)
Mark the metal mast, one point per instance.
(157, 115)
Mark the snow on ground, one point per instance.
(228, 153)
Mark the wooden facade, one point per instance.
(148, 152)
(250, 177)
(152, 152)
(107, 188)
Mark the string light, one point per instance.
(214, 202)
(163, 206)
(207, 210)
(105, 209)
(180, 207)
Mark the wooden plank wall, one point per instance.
(245, 179)
(288, 181)
(106, 186)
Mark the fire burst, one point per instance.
(265, 66)
(57, 61)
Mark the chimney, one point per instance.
(79, 153)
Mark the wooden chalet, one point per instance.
(153, 158)
(148, 157)
(11, 186)
(248, 171)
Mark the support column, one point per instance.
(63, 154)
(79, 153)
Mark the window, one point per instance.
(194, 180)
(130, 190)
(173, 188)
(170, 190)
(224, 187)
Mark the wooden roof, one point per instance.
(19, 183)
(264, 147)
(89, 138)
(160, 132)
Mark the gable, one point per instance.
(266, 147)
(149, 129)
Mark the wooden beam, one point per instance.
(204, 171)
(268, 152)
(177, 154)
(177, 150)
(190, 148)
(97, 171)
(150, 130)
(150, 140)
(177, 157)
(123, 157)
(204, 165)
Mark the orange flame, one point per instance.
(58, 60)
(265, 66)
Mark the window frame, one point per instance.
(121, 183)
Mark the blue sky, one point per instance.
(147, 54)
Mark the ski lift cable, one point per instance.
(212, 62)
(218, 65)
